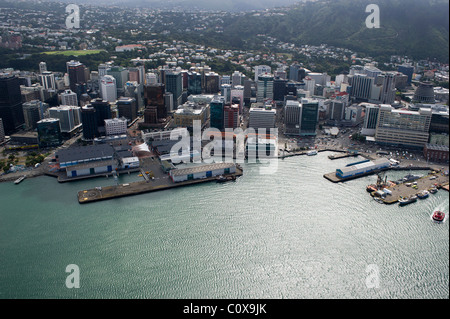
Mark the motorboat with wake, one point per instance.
(438, 216)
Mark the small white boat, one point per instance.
(311, 153)
(19, 180)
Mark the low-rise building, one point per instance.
(116, 126)
(201, 172)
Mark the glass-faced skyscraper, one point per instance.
(216, 108)
(49, 133)
(10, 103)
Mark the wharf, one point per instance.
(423, 183)
(115, 191)
(344, 155)
(335, 179)
(298, 153)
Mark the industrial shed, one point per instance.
(201, 172)
(362, 168)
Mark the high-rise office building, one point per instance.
(403, 127)
(127, 108)
(407, 70)
(371, 71)
(337, 109)
(69, 117)
(388, 91)
(121, 76)
(280, 73)
(225, 91)
(108, 88)
(2, 132)
(102, 111)
(77, 74)
(212, 83)
(10, 103)
(310, 85)
(292, 117)
(103, 70)
(154, 96)
(231, 116)
(262, 118)
(31, 114)
(310, 117)
(216, 109)
(42, 67)
(262, 69)
(151, 78)
(134, 75)
(237, 78)
(279, 89)
(248, 84)
(237, 97)
(135, 90)
(168, 102)
(47, 80)
(225, 79)
(294, 72)
(89, 121)
(264, 87)
(194, 83)
(151, 115)
(361, 86)
(174, 85)
(49, 133)
(69, 98)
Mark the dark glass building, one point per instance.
(10, 103)
(102, 111)
(310, 117)
(127, 108)
(89, 121)
(216, 113)
(279, 89)
(194, 83)
(49, 133)
(174, 85)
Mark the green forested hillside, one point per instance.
(417, 28)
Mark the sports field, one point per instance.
(73, 52)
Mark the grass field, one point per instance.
(73, 52)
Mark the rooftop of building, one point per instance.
(79, 153)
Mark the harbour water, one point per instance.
(292, 234)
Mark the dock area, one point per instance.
(140, 187)
(343, 155)
(423, 183)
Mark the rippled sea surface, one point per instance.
(292, 234)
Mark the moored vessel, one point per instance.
(423, 194)
(407, 200)
(19, 180)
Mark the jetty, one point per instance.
(140, 187)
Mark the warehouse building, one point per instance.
(91, 168)
(201, 172)
(362, 168)
(83, 154)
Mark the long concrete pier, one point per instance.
(115, 191)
